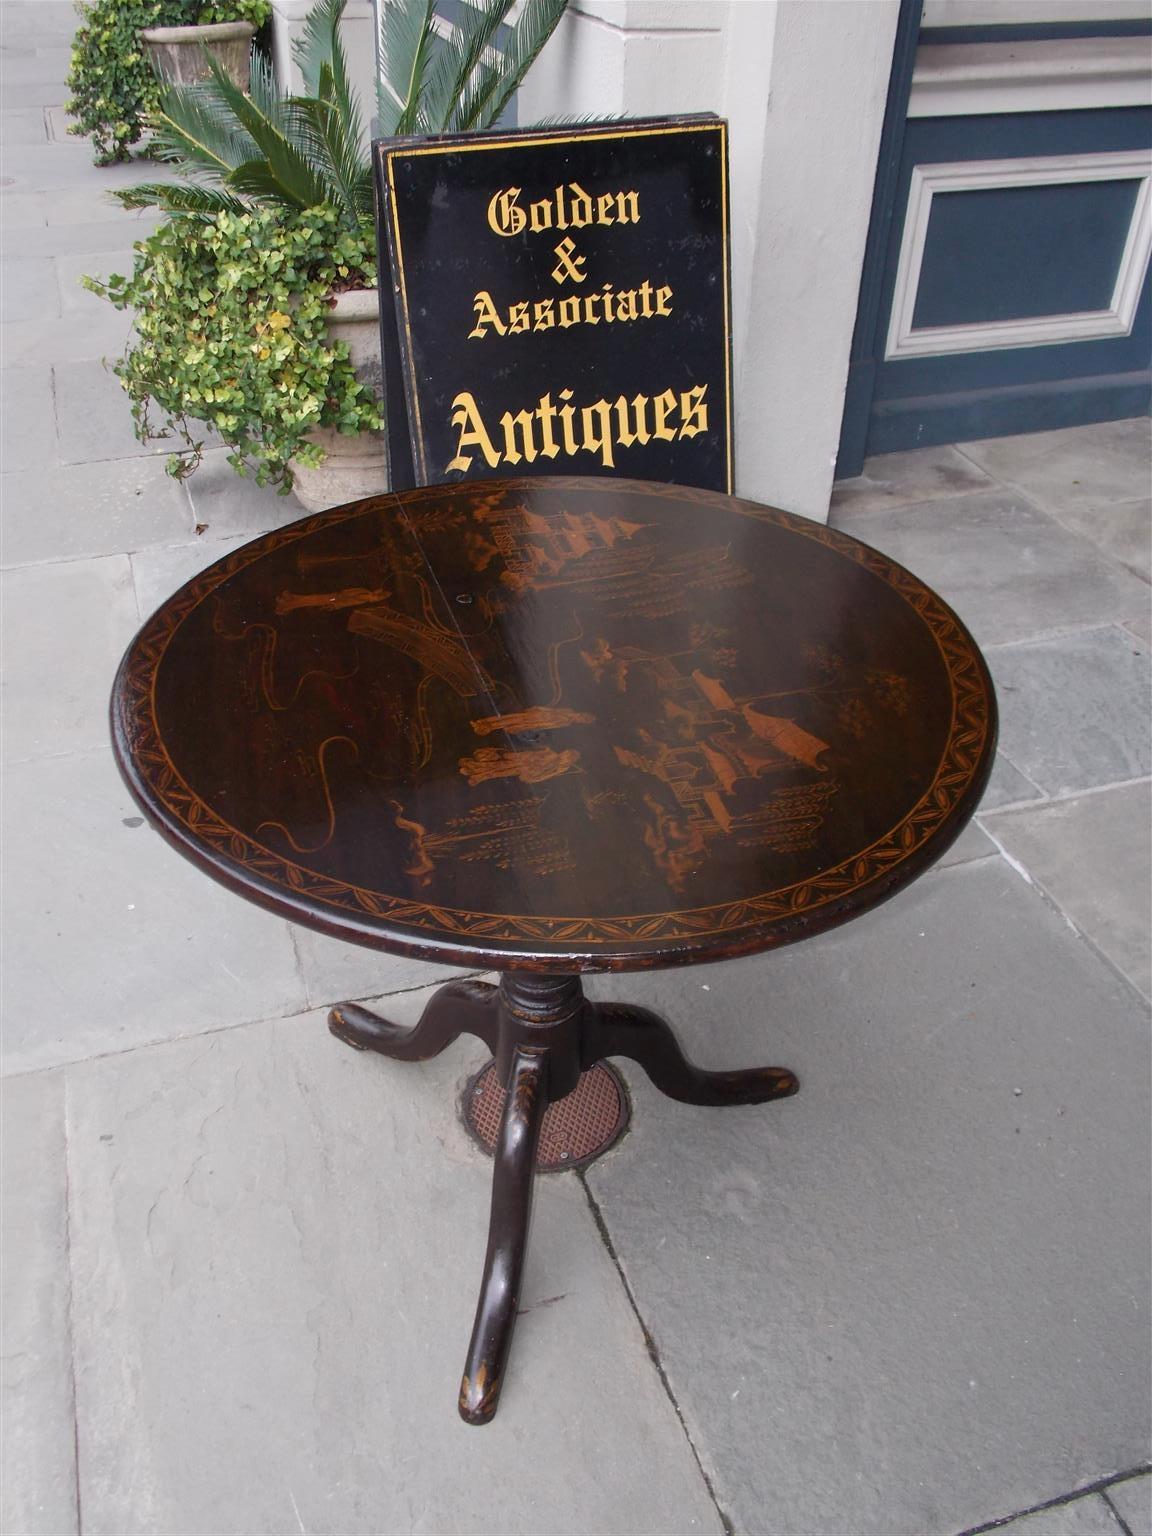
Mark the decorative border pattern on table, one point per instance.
(148, 764)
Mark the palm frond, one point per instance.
(535, 25)
(191, 128)
(577, 120)
(455, 59)
(260, 180)
(406, 43)
(322, 134)
(285, 174)
(180, 197)
(263, 89)
(319, 42)
(344, 97)
(326, 120)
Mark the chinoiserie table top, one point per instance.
(557, 723)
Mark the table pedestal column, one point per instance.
(544, 1033)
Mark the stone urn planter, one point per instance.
(354, 466)
(177, 52)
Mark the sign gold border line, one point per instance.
(717, 125)
(727, 302)
(415, 441)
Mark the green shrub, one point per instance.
(111, 80)
(230, 314)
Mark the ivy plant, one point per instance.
(230, 311)
(272, 213)
(113, 86)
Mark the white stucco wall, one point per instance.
(357, 32)
(803, 84)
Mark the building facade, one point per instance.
(940, 218)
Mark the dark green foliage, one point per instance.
(111, 80)
(272, 212)
(297, 151)
(230, 314)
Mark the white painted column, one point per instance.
(803, 84)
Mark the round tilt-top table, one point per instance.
(546, 727)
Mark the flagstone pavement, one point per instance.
(239, 1261)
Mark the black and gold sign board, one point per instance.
(560, 303)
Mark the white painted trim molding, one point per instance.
(1052, 75)
(1041, 330)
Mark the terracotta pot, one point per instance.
(178, 54)
(353, 466)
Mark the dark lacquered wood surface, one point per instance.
(557, 724)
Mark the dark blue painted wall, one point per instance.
(993, 259)
(1002, 253)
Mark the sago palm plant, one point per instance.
(267, 148)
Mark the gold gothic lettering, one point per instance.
(608, 303)
(567, 207)
(599, 429)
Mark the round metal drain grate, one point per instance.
(576, 1129)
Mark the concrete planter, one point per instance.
(178, 53)
(354, 466)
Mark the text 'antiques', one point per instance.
(571, 325)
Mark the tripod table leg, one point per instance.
(457, 1008)
(512, 1182)
(619, 1029)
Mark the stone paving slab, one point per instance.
(23, 125)
(35, 93)
(21, 210)
(38, 65)
(72, 269)
(226, 503)
(898, 479)
(36, 167)
(1082, 1517)
(91, 202)
(27, 418)
(1074, 710)
(68, 340)
(78, 511)
(28, 288)
(1133, 1501)
(1007, 786)
(276, 1249)
(336, 972)
(80, 239)
(158, 573)
(973, 843)
(1076, 467)
(59, 124)
(1141, 628)
(43, 23)
(115, 940)
(1091, 855)
(1010, 570)
(67, 170)
(64, 629)
(1122, 529)
(37, 1462)
(911, 1299)
(94, 418)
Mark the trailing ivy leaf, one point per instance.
(254, 358)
